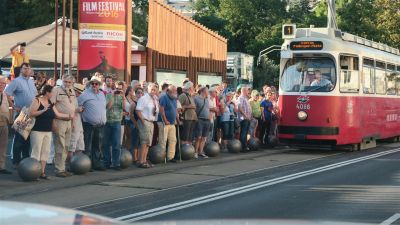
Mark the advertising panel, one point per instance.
(102, 37)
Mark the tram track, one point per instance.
(236, 191)
(168, 200)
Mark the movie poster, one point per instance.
(102, 38)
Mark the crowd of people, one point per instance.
(100, 116)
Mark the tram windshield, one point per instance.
(309, 75)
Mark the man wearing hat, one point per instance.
(189, 112)
(94, 118)
(64, 100)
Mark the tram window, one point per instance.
(380, 65)
(391, 79)
(368, 76)
(397, 85)
(368, 80)
(380, 81)
(391, 84)
(349, 74)
(391, 67)
(398, 68)
(303, 74)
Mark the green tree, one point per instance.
(249, 26)
(266, 73)
(8, 21)
(388, 20)
(25, 14)
(140, 15)
(303, 14)
(207, 14)
(358, 17)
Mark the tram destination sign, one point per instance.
(306, 45)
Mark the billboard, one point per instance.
(102, 37)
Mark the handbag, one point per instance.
(24, 123)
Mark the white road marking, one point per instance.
(236, 191)
(391, 219)
(201, 182)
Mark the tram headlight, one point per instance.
(302, 115)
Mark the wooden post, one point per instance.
(56, 39)
(71, 15)
(128, 72)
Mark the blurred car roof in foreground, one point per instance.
(18, 213)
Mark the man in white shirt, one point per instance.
(147, 110)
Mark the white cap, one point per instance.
(188, 85)
(59, 82)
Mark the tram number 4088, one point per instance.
(303, 106)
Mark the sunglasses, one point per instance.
(95, 84)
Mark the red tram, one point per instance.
(337, 89)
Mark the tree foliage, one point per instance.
(266, 73)
(140, 17)
(253, 25)
(249, 25)
(388, 21)
(19, 15)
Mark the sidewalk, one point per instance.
(12, 186)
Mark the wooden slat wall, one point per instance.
(174, 34)
(178, 43)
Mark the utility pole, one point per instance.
(332, 14)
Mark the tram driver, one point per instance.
(320, 81)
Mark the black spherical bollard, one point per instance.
(212, 149)
(157, 154)
(254, 144)
(234, 146)
(125, 159)
(29, 169)
(187, 152)
(80, 164)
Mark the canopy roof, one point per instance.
(40, 45)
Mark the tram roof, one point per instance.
(338, 41)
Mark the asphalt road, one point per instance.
(359, 187)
